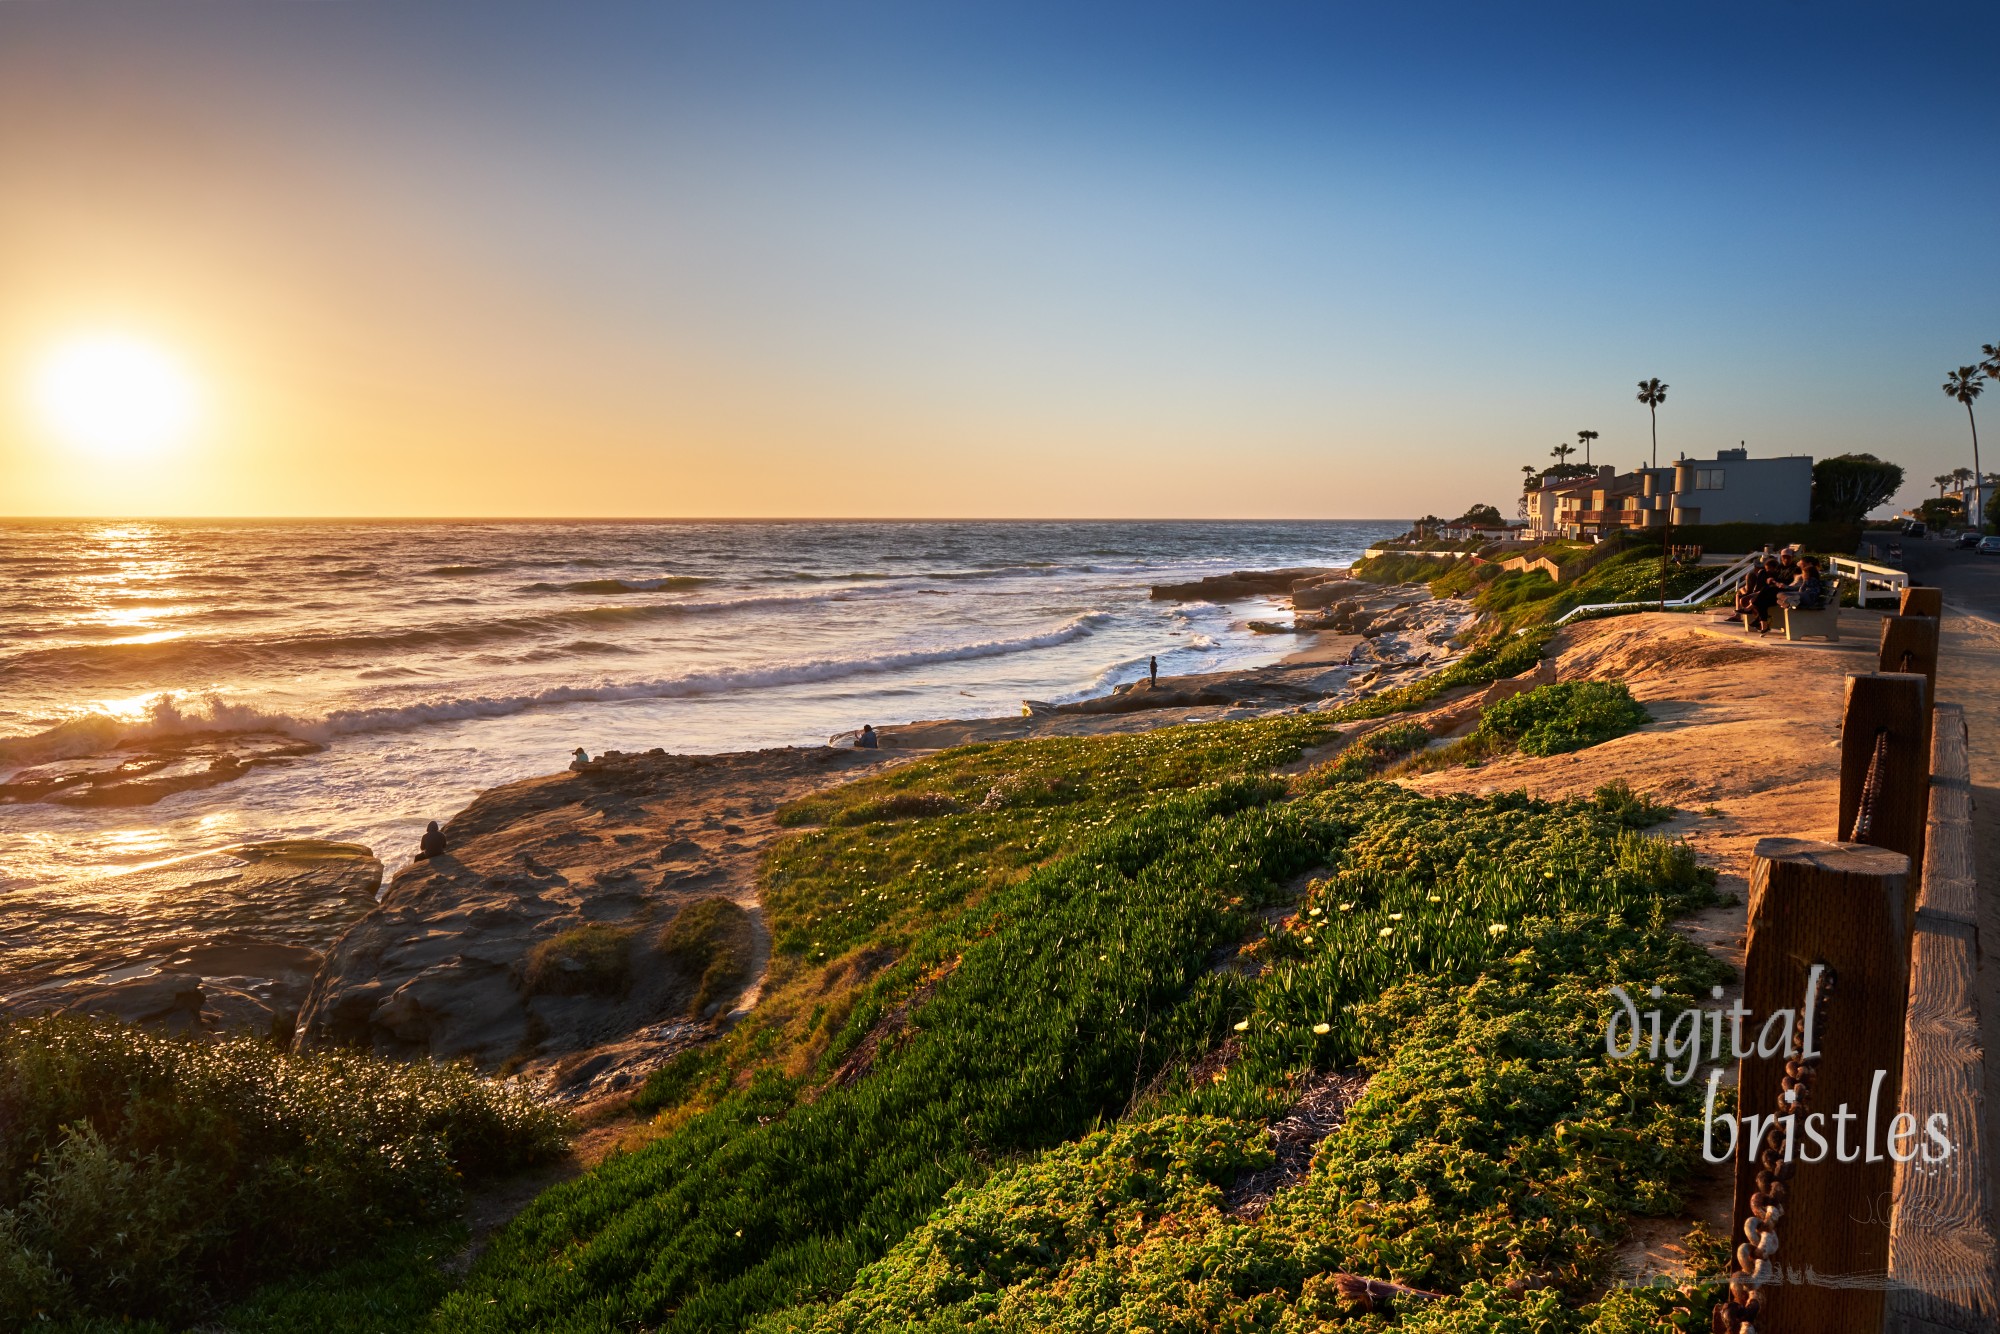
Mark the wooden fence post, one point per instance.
(1941, 1249)
(1910, 644)
(1886, 732)
(1840, 905)
(1920, 600)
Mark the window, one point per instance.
(1708, 479)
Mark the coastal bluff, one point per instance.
(553, 939)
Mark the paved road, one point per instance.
(1970, 582)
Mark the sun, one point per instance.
(114, 394)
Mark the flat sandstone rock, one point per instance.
(543, 941)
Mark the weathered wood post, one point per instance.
(1910, 644)
(1941, 1249)
(1921, 600)
(1839, 907)
(1885, 764)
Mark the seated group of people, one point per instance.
(1788, 578)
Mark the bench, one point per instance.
(1799, 624)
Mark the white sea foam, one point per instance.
(171, 715)
(420, 658)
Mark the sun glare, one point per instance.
(113, 394)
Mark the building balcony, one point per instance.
(1601, 518)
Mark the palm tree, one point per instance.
(1586, 437)
(1960, 476)
(1964, 384)
(1943, 480)
(1562, 453)
(1652, 393)
(1991, 366)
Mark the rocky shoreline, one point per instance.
(553, 941)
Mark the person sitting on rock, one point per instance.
(431, 844)
(868, 740)
(579, 757)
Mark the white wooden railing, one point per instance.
(1728, 575)
(1883, 581)
(1372, 552)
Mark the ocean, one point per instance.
(431, 660)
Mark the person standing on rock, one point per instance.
(1153, 673)
(431, 844)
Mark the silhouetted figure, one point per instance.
(431, 844)
(1763, 596)
(868, 740)
(1153, 674)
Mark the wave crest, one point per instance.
(172, 714)
(613, 587)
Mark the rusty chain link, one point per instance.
(1737, 1313)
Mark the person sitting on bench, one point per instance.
(1746, 590)
(1763, 597)
(1809, 593)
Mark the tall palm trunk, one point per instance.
(1978, 484)
(1654, 413)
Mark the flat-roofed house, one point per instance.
(1732, 487)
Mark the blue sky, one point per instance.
(1278, 259)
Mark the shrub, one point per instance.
(1398, 569)
(1368, 756)
(1498, 659)
(1634, 810)
(589, 960)
(152, 1176)
(710, 942)
(897, 806)
(1566, 716)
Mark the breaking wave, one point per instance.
(171, 714)
(120, 661)
(612, 587)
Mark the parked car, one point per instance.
(1968, 538)
(1914, 529)
(1989, 546)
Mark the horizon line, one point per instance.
(656, 518)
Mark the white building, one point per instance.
(1974, 498)
(1732, 487)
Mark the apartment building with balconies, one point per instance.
(1732, 487)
